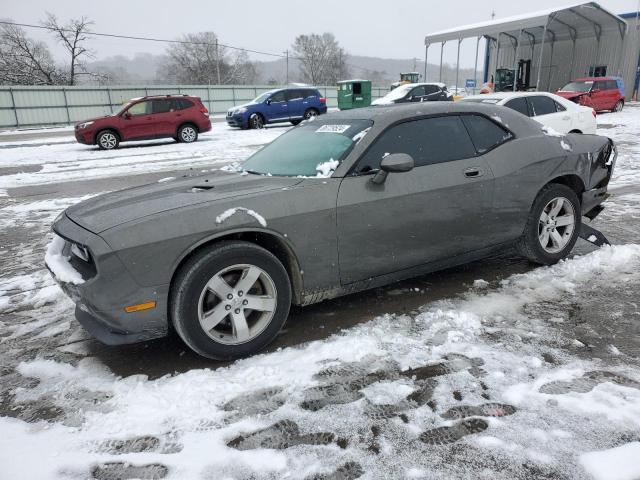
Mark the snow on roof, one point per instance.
(589, 10)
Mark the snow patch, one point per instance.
(166, 179)
(232, 211)
(550, 132)
(566, 146)
(326, 169)
(619, 463)
(59, 264)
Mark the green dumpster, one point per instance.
(354, 94)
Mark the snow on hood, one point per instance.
(326, 169)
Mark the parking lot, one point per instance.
(497, 369)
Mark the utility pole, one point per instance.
(287, 82)
(493, 14)
(218, 62)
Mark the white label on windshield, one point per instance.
(333, 128)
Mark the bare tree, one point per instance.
(24, 61)
(72, 37)
(201, 60)
(322, 59)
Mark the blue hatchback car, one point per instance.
(282, 105)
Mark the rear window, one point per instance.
(162, 106)
(485, 134)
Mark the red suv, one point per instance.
(599, 93)
(179, 117)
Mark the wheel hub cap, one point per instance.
(556, 225)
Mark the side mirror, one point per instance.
(394, 163)
(127, 115)
(268, 102)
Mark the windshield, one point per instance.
(579, 87)
(397, 93)
(310, 150)
(262, 97)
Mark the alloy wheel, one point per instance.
(257, 122)
(188, 134)
(237, 304)
(310, 114)
(108, 141)
(556, 225)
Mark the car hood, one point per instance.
(112, 209)
(95, 119)
(570, 95)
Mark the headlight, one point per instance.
(239, 110)
(84, 125)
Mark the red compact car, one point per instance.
(180, 117)
(599, 93)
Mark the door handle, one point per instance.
(566, 118)
(473, 172)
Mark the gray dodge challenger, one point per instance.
(350, 201)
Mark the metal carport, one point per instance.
(578, 36)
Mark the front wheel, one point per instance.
(618, 106)
(553, 225)
(107, 140)
(230, 300)
(187, 134)
(256, 121)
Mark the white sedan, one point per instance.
(548, 109)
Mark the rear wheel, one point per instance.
(230, 300)
(107, 140)
(553, 225)
(618, 106)
(295, 122)
(256, 121)
(187, 134)
(310, 113)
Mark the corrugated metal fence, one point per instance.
(36, 106)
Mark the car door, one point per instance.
(163, 111)
(599, 95)
(613, 94)
(544, 110)
(277, 108)
(295, 105)
(430, 213)
(433, 93)
(138, 121)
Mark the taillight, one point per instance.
(204, 110)
(323, 100)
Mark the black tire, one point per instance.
(189, 285)
(310, 113)
(107, 140)
(295, 122)
(530, 245)
(256, 121)
(618, 106)
(187, 133)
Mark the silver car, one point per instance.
(350, 201)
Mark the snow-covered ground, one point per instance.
(506, 380)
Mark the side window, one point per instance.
(161, 106)
(519, 105)
(294, 95)
(431, 89)
(278, 97)
(485, 134)
(600, 85)
(541, 105)
(417, 92)
(140, 108)
(428, 141)
(612, 85)
(559, 108)
(183, 103)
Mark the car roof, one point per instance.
(592, 79)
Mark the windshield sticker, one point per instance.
(333, 128)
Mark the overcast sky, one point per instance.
(391, 29)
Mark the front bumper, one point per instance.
(84, 136)
(107, 289)
(236, 120)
